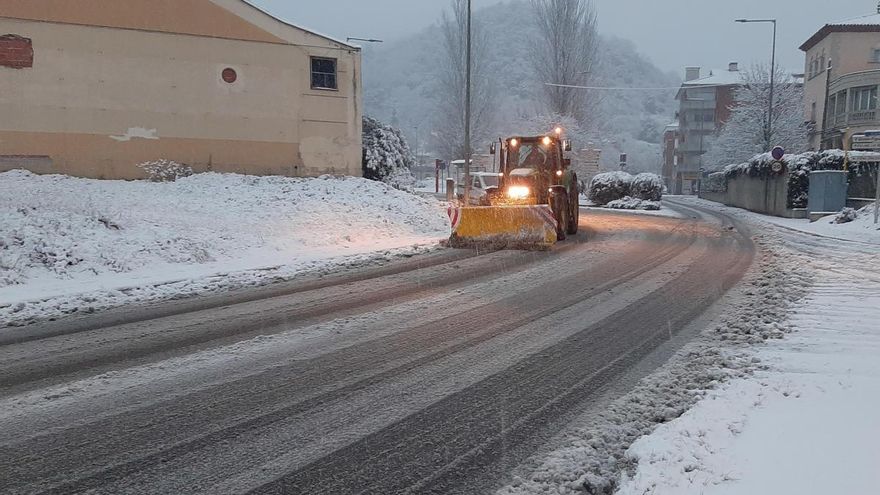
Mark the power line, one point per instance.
(609, 88)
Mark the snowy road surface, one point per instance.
(437, 375)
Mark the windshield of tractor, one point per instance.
(531, 155)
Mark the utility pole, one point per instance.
(769, 134)
(772, 87)
(877, 198)
(467, 112)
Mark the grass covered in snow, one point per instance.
(61, 235)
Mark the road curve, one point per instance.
(421, 377)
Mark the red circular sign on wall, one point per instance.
(229, 75)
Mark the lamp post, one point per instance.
(467, 112)
(772, 72)
(365, 40)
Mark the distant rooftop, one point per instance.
(718, 78)
(869, 23)
(862, 20)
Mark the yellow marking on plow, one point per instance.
(504, 226)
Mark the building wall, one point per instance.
(695, 136)
(100, 100)
(849, 53)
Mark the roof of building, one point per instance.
(226, 19)
(718, 78)
(301, 28)
(862, 24)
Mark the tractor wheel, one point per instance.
(574, 206)
(559, 204)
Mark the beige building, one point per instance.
(93, 88)
(849, 90)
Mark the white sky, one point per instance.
(673, 33)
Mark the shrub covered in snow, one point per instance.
(387, 157)
(647, 186)
(165, 170)
(610, 186)
(630, 203)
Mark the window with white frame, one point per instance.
(863, 99)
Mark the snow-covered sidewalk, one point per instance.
(807, 422)
(76, 245)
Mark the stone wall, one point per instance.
(761, 195)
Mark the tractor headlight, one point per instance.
(518, 192)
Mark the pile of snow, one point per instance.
(630, 203)
(846, 215)
(61, 235)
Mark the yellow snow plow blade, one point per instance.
(512, 227)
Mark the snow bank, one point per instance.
(806, 423)
(629, 203)
(61, 236)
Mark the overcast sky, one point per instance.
(673, 33)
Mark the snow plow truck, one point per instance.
(535, 204)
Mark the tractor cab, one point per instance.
(531, 167)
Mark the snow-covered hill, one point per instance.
(400, 81)
(116, 241)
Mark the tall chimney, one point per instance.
(691, 73)
(734, 67)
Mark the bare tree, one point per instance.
(565, 53)
(450, 103)
(746, 133)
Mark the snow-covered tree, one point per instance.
(565, 52)
(451, 84)
(746, 133)
(387, 157)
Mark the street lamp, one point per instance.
(772, 72)
(467, 110)
(365, 40)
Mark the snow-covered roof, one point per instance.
(869, 23)
(289, 24)
(718, 78)
(862, 20)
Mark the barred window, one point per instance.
(324, 73)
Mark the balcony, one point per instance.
(863, 116)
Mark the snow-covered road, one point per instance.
(436, 377)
